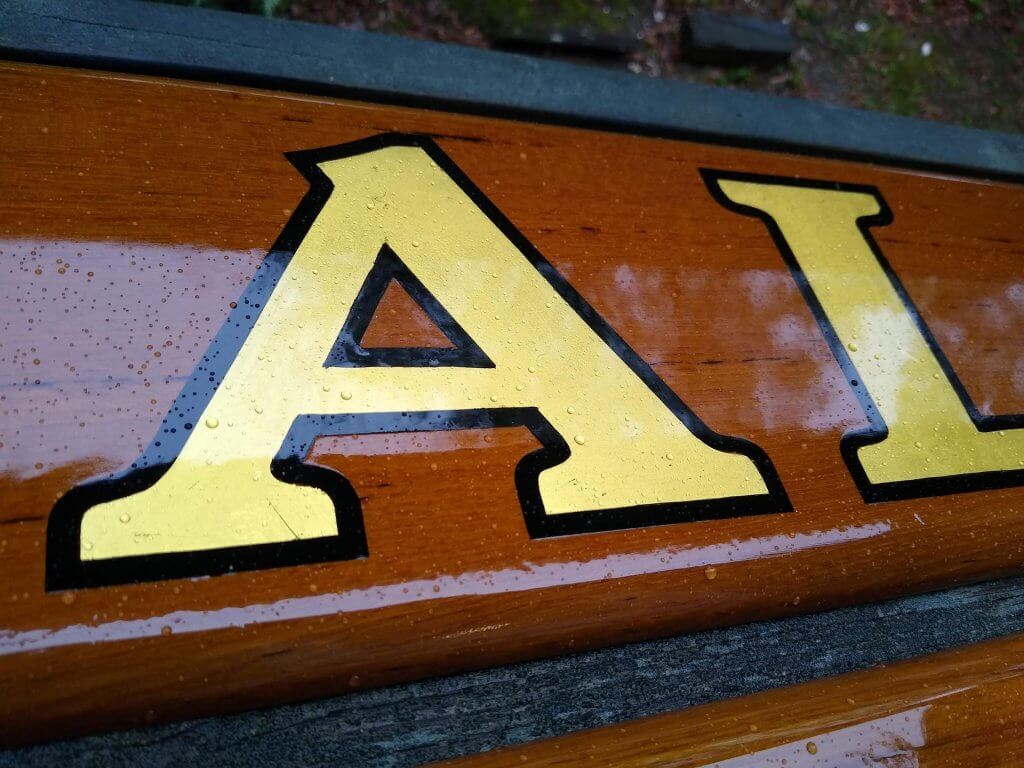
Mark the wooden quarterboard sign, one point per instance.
(302, 395)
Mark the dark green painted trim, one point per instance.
(126, 35)
(431, 720)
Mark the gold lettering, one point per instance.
(923, 439)
(625, 444)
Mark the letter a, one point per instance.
(224, 487)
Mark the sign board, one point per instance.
(303, 395)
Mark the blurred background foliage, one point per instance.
(954, 60)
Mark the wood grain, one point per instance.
(435, 719)
(134, 212)
(962, 707)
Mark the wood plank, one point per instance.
(137, 211)
(962, 707)
(442, 718)
(412, 724)
(730, 40)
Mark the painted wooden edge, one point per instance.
(126, 35)
(954, 708)
(442, 718)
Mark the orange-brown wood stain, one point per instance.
(134, 210)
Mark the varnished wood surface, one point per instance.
(430, 720)
(959, 708)
(135, 211)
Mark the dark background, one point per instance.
(959, 61)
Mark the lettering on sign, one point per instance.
(926, 436)
(224, 485)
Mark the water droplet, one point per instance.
(570, 410)
(852, 346)
(212, 422)
(125, 517)
(580, 439)
(257, 409)
(346, 395)
(812, 747)
(711, 573)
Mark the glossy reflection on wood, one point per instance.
(958, 708)
(134, 213)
